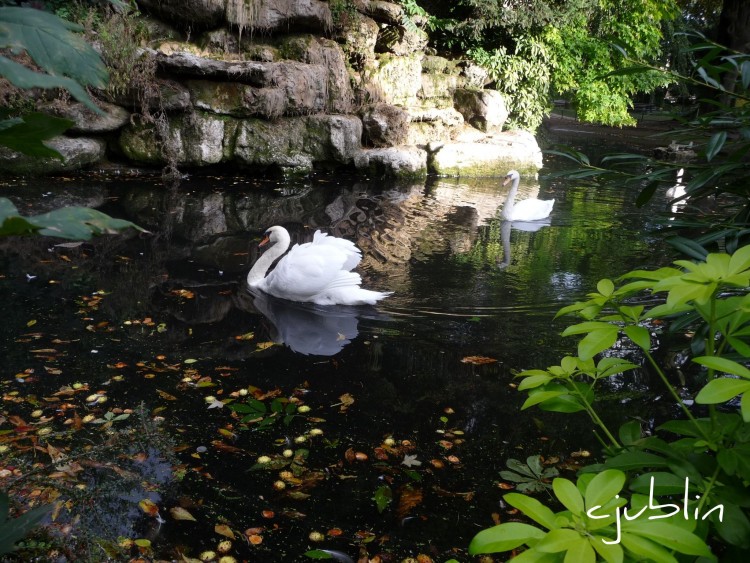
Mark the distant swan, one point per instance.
(314, 272)
(527, 209)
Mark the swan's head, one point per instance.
(510, 176)
(273, 235)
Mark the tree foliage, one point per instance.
(534, 49)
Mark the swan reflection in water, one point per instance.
(505, 228)
(307, 328)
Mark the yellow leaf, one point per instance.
(148, 506)
(224, 530)
(246, 336)
(31, 323)
(179, 513)
(264, 345)
(189, 361)
(142, 542)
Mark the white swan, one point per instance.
(527, 209)
(314, 272)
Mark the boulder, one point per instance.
(385, 125)
(437, 85)
(77, 153)
(395, 80)
(192, 140)
(474, 76)
(383, 12)
(494, 156)
(269, 16)
(325, 53)
(358, 35)
(433, 124)
(401, 40)
(484, 109)
(163, 94)
(87, 121)
(404, 162)
(295, 144)
(187, 13)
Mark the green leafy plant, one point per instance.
(708, 465)
(529, 477)
(67, 60)
(13, 530)
(255, 411)
(591, 526)
(76, 223)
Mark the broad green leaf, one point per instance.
(536, 397)
(568, 495)
(532, 508)
(665, 483)
(50, 41)
(603, 488)
(534, 381)
(668, 535)
(724, 365)
(715, 144)
(559, 539)
(597, 341)
(628, 461)
(504, 537)
(26, 136)
(383, 497)
(721, 390)
(605, 287)
(630, 432)
(78, 223)
(740, 260)
(580, 552)
(640, 336)
(25, 78)
(586, 327)
(646, 549)
(318, 554)
(611, 553)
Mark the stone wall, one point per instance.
(293, 85)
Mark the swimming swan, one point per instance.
(527, 209)
(314, 272)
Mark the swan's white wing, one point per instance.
(305, 271)
(532, 209)
(354, 254)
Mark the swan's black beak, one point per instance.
(506, 180)
(264, 241)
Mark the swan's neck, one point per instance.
(263, 263)
(510, 200)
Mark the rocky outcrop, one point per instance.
(75, 153)
(294, 85)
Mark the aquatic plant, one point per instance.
(701, 464)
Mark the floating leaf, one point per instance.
(148, 506)
(478, 360)
(179, 513)
(224, 530)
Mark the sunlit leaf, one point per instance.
(224, 530)
(179, 513)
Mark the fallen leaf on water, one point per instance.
(411, 461)
(179, 513)
(478, 360)
(246, 336)
(224, 530)
(347, 400)
(264, 345)
(148, 506)
(409, 497)
(165, 395)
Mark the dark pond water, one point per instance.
(164, 321)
